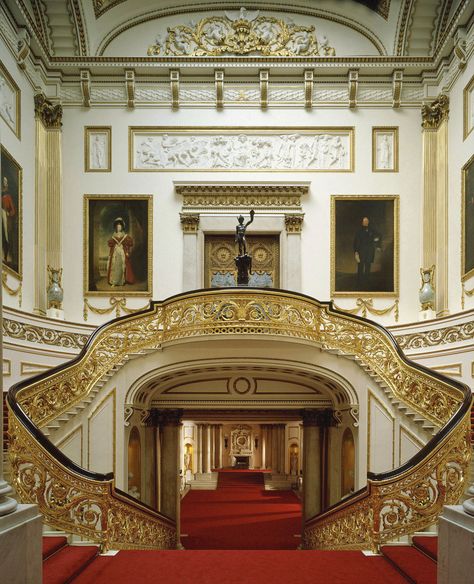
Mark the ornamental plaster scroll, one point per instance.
(242, 32)
(199, 150)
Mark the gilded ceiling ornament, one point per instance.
(241, 32)
(434, 113)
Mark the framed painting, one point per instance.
(385, 149)
(118, 245)
(10, 101)
(242, 149)
(364, 245)
(467, 218)
(11, 214)
(98, 148)
(468, 108)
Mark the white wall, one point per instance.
(167, 237)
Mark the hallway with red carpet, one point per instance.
(240, 514)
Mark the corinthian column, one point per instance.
(48, 195)
(435, 196)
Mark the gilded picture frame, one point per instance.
(374, 271)
(97, 148)
(468, 108)
(241, 149)
(385, 149)
(10, 101)
(12, 214)
(467, 220)
(118, 242)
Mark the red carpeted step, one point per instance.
(240, 567)
(52, 544)
(241, 515)
(68, 563)
(427, 544)
(411, 562)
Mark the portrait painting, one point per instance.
(467, 249)
(117, 245)
(468, 110)
(11, 213)
(98, 148)
(364, 245)
(385, 149)
(10, 101)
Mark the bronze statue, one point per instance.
(240, 233)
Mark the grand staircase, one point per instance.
(89, 505)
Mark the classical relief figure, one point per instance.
(119, 271)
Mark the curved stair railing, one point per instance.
(392, 504)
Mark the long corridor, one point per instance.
(240, 514)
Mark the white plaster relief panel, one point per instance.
(374, 94)
(319, 150)
(108, 94)
(198, 94)
(8, 102)
(331, 95)
(412, 93)
(286, 94)
(156, 94)
(71, 94)
(240, 94)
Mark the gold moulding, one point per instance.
(366, 305)
(76, 504)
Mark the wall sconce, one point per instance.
(226, 442)
(256, 443)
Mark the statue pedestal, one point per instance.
(244, 267)
(426, 315)
(455, 550)
(56, 313)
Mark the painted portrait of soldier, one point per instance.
(11, 181)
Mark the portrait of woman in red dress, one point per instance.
(119, 270)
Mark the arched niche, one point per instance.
(134, 464)
(294, 457)
(347, 463)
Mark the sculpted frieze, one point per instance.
(195, 149)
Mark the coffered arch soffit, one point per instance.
(234, 380)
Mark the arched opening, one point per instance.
(347, 463)
(134, 464)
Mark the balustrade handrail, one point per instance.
(234, 311)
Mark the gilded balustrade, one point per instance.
(387, 508)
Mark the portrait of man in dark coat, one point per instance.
(366, 241)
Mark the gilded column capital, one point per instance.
(189, 222)
(293, 223)
(50, 114)
(434, 113)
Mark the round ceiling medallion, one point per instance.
(241, 385)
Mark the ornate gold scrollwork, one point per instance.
(241, 33)
(434, 113)
(390, 508)
(86, 507)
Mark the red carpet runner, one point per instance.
(240, 514)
